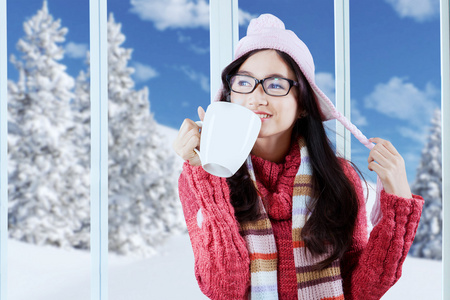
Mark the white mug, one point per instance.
(228, 134)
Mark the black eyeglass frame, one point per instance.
(258, 81)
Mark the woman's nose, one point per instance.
(258, 96)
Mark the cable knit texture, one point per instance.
(275, 183)
(269, 32)
(369, 267)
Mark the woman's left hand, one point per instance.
(390, 167)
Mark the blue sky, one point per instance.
(394, 48)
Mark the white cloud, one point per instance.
(418, 133)
(419, 10)
(245, 17)
(357, 118)
(75, 50)
(325, 81)
(173, 13)
(200, 78)
(178, 13)
(182, 38)
(194, 48)
(402, 100)
(198, 50)
(143, 72)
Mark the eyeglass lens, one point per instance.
(274, 86)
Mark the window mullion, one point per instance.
(224, 34)
(342, 73)
(3, 153)
(445, 111)
(99, 149)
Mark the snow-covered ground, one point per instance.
(46, 273)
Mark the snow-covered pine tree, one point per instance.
(428, 184)
(81, 136)
(81, 107)
(43, 206)
(143, 201)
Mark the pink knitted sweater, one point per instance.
(369, 267)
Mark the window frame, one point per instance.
(342, 74)
(223, 39)
(99, 148)
(445, 138)
(3, 153)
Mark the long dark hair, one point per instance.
(335, 207)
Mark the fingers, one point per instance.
(187, 139)
(386, 144)
(382, 157)
(184, 128)
(379, 155)
(389, 165)
(201, 113)
(383, 152)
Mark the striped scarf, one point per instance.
(258, 235)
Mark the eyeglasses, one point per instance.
(273, 86)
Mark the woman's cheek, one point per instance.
(237, 100)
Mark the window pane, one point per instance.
(313, 23)
(179, 56)
(48, 144)
(158, 74)
(395, 88)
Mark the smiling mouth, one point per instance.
(264, 116)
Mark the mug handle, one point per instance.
(199, 124)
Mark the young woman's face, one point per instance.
(278, 114)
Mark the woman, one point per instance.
(291, 223)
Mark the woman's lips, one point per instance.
(263, 115)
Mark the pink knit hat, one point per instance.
(268, 32)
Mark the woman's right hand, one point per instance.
(189, 138)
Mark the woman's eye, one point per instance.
(243, 83)
(277, 84)
(274, 86)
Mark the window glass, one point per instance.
(158, 74)
(313, 23)
(48, 150)
(395, 91)
(149, 246)
(158, 62)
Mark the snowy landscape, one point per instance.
(150, 253)
(49, 150)
(47, 273)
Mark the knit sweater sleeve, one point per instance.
(371, 266)
(222, 264)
